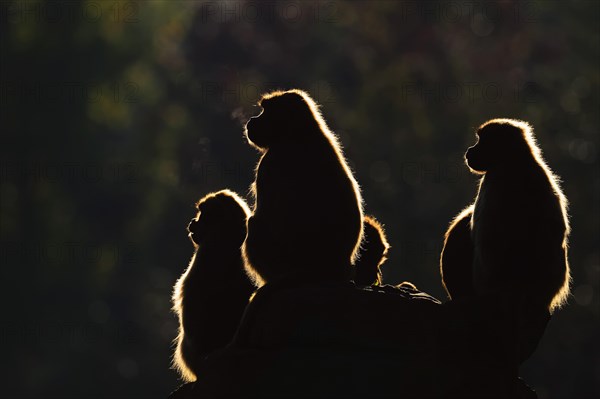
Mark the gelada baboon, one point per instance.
(213, 292)
(307, 217)
(373, 253)
(514, 237)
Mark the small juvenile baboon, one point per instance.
(373, 253)
(516, 232)
(307, 218)
(211, 295)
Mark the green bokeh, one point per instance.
(118, 115)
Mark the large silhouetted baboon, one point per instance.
(514, 238)
(307, 217)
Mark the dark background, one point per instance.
(118, 115)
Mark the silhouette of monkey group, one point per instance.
(285, 298)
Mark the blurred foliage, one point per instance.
(118, 115)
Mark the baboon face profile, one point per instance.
(307, 216)
(503, 144)
(282, 115)
(221, 218)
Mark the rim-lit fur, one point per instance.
(527, 163)
(214, 280)
(301, 164)
(373, 253)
